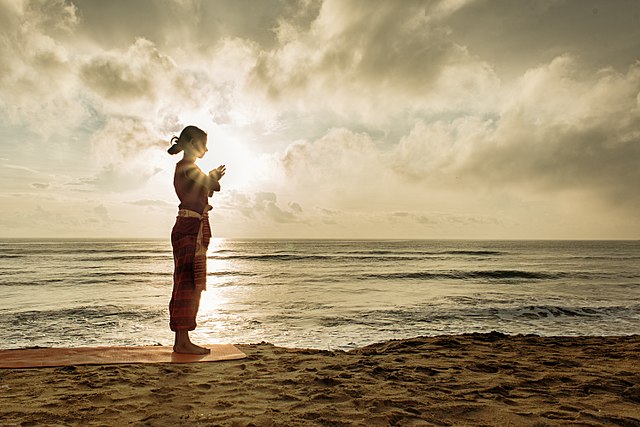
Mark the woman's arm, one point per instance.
(211, 181)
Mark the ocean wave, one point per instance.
(89, 314)
(353, 255)
(230, 273)
(11, 281)
(473, 253)
(543, 311)
(125, 258)
(103, 274)
(273, 257)
(67, 250)
(530, 315)
(611, 257)
(426, 253)
(464, 275)
(549, 311)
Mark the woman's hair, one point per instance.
(188, 134)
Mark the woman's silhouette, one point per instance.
(190, 235)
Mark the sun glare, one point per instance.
(212, 298)
(227, 146)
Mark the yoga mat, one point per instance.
(46, 357)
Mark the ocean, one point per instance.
(324, 294)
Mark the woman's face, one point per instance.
(199, 147)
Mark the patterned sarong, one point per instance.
(190, 239)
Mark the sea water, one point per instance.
(327, 294)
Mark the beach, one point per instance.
(468, 379)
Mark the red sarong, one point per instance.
(189, 276)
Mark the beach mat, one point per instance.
(47, 357)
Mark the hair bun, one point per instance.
(174, 149)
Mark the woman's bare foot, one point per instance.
(190, 348)
(184, 345)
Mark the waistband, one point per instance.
(188, 213)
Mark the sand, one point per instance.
(474, 379)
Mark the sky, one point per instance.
(456, 119)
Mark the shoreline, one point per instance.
(492, 335)
(469, 379)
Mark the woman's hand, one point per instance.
(218, 172)
(214, 178)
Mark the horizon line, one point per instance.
(68, 238)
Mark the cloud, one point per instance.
(276, 214)
(328, 216)
(432, 219)
(37, 82)
(102, 213)
(16, 221)
(354, 38)
(55, 76)
(261, 206)
(344, 115)
(266, 202)
(57, 16)
(367, 60)
(295, 207)
(583, 137)
(515, 37)
(340, 166)
(434, 152)
(562, 136)
(142, 83)
(125, 153)
(152, 203)
(559, 132)
(236, 201)
(22, 169)
(129, 76)
(183, 23)
(114, 179)
(123, 140)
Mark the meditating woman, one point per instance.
(190, 235)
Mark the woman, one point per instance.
(190, 235)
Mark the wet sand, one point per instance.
(474, 379)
